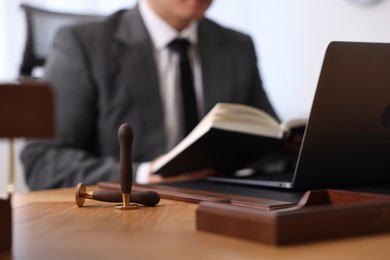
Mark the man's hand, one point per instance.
(293, 144)
(186, 176)
(155, 177)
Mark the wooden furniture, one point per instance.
(5, 225)
(26, 110)
(49, 225)
(321, 214)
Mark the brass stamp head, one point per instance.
(79, 196)
(126, 205)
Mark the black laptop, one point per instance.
(347, 138)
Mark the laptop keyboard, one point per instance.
(286, 177)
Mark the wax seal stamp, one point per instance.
(125, 136)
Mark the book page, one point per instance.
(245, 119)
(293, 123)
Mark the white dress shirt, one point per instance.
(162, 34)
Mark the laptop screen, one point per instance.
(347, 140)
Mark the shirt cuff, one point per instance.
(143, 173)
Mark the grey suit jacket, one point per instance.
(104, 74)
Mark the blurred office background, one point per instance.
(291, 37)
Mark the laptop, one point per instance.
(347, 137)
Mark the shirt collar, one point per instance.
(163, 33)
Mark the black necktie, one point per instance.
(187, 84)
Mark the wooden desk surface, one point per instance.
(48, 225)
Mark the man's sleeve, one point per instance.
(71, 158)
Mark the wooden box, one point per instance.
(27, 110)
(321, 214)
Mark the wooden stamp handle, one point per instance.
(125, 136)
(107, 195)
(147, 198)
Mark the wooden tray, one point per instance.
(196, 196)
(5, 225)
(321, 214)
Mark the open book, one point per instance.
(227, 138)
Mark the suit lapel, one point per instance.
(217, 67)
(137, 69)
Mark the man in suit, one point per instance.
(121, 69)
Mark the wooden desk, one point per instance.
(48, 225)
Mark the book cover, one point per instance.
(220, 149)
(227, 138)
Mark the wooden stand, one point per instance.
(5, 225)
(320, 214)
